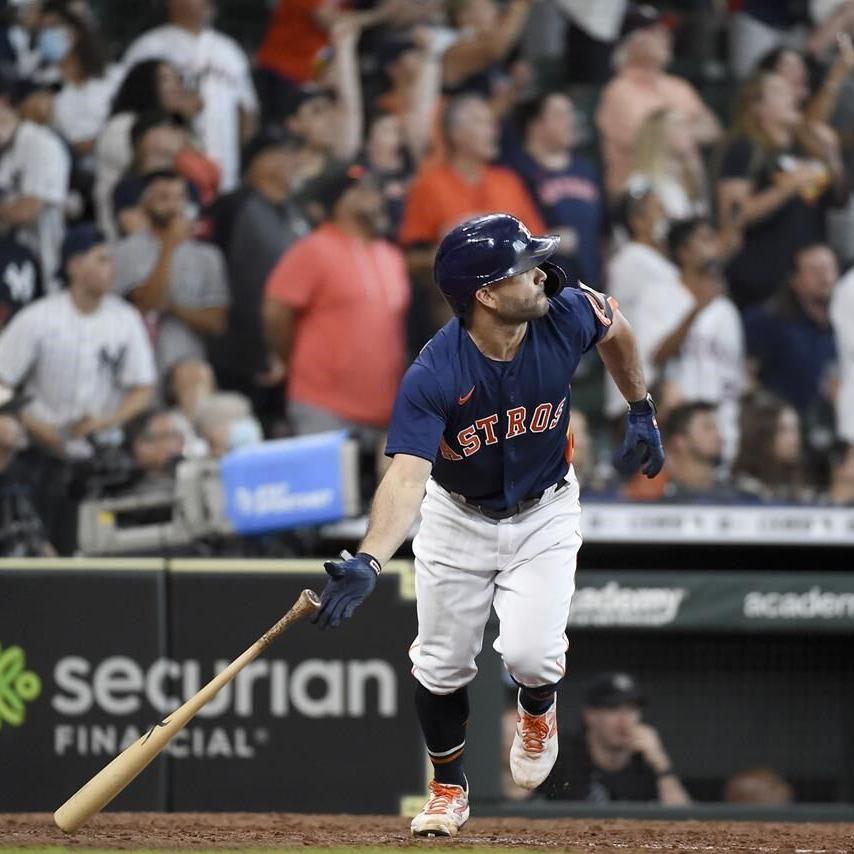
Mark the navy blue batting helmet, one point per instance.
(487, 249)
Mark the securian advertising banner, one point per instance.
(90, 659)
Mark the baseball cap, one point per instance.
(640, 16)
(608, 690)
(307, 93)
(329, 186)
(268, 138)
(79, 240)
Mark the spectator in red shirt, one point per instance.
(335, 313)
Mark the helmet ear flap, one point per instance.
(555, 278)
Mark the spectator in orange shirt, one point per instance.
(641, 87)
(462, 185)
(335, 311)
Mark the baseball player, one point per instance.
(480, 423)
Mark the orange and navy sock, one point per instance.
(443, 720)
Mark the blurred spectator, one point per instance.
(151, 86)
(155, 442)
(775, 189)
(20, 279)
(297, 40)
(253, 227)
(487, 35)
(161, 141)
(704, 354)
(841, 490)
(842, 318)
(214, 65)
(666, 154)
(178, 283)
(641, 87)
(694, 446)
(566, 186)
(225, 422)
(22, 533)
(462, 185)
(770, 464)
(583, 452)
(156, 140)
(642, 280)
(34, 173)
(412, 68)
(615, 756)
(289, 54)
(389, 161)
(82, 354)
(81, 106)
(790, 338)
(758, 786)
(592, 33)
(83, 357)
(330, 299)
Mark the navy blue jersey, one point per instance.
(496, 431)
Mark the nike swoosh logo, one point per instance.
(462, 401)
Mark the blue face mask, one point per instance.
(243, 432)
(53, 44)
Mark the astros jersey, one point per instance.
(496, 431)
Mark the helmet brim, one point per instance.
(538, 249)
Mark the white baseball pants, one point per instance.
(524, 566)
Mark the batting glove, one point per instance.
(642, 444)
(351, 581)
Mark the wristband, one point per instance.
(371, 561)
(644, 406)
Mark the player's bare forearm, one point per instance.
(619, 352)
(396, 504)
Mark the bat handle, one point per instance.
(307, 603)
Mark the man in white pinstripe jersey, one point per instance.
(82, 355)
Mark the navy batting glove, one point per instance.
(642, 445)
(351, 581)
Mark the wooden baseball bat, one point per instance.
(115, 776)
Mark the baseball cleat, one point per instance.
(534, 749)
(445, 812)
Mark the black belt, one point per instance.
(518, 507)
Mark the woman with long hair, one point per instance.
(667, 156)
(151, 86)
(770, 463)
(774, 186)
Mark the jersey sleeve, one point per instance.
(590, 315)
(138, 368)
(419, 415)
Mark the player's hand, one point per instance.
(350, 582)
(642, 445)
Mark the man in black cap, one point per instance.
(83, 357)
(254, 226)
(615, 756)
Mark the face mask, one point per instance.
(243, 432)
(53, 44)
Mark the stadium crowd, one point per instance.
(205, 243)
